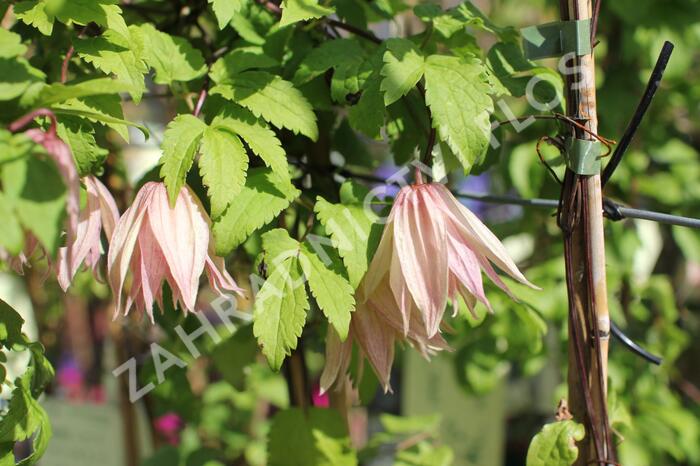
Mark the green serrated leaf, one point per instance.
(223, 166)
(180, 144)
(33, 12)
(331, 290)
(225, 9)
(337, 53)
(272, 98)
(79, 135)
(403, 68)
(302, 10)
(280, 311)
(113, 53)
(263, 197)
(555, 444)
(458, 97)
(172, 58)
(10, 326)
(355, 233)
(104, 109)
(368, 115)
(259, 137)
(55, 93)
(240, 59)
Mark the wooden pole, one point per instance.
(581, 218)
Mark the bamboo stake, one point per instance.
(589, 322)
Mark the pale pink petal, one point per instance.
(108, 208)
(219, 278)
(153, 267)
(477, 235)
(124, 241)
(183, 235)
(465, 266)
(338, 356)
(491, 273)
(376, 339)
(402, 296)
(85, 241)
(379, 266)
(419, 237)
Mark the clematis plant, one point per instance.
(433, 249)
(158, 242)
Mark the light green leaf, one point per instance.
(332, 291)
(272, 98)
(104, 109)
(172, 58)
(337, 53)
(78, 134)
(458, 97)
(180, 144)
(16, 75)
(367, 116)
(240, 59)
(223, 166)
(259, 137)
(113, 53)
(80, 109)
(403, 68)
(11, 44)
(33, 12)
(11, 234)
(55, 93)
(555, 444)
(35, 191)
(302, 10)
(42, 13)
(105, 13)
(355, 233)
(263, 197)
(280, 311)
(225, 9)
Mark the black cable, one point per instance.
(633, 126)
(634, 347)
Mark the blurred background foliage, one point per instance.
(229, 408)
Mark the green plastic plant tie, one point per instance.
(557, 39)
(583, 156)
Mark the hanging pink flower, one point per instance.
(432, 249)
(100, 214)
(157, 242)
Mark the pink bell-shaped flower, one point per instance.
(157, 242)
(432, 249)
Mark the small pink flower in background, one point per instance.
(157, 242)
(169, 426)
(432, 249)
(100, 214)
(318, 398)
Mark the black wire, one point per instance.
(634, 347)
(633, 126)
